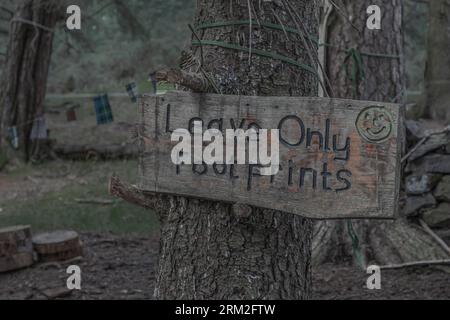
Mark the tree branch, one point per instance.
(435, 236)
(132, 194)
(8, 11)
(416, 264)
(197, 82)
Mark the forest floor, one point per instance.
(124, 267)
(121, 240)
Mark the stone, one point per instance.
(420, 184)
(433, 163)
(433, 143)
(418, 129)
(438, 217)
(56, 293)
(442, 192)
(415, 203)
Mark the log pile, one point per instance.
(427, 175)
(57, 246)
(18, 249)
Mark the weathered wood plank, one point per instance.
(322, 180)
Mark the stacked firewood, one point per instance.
(427, 175)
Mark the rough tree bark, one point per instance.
(213, 250)
(24, 79)
(437, 74)
(379, 242)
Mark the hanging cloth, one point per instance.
(13, 137)
(71, 115)
(133, 91)
(154, 81)
(103, 110)
(39, 130)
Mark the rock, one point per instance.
(433, 163)
(418, 129)
(415, 203)
(435, 142)
(438, 217)
(55, 293)
(442, 192)
(414, 129)
(420, 184)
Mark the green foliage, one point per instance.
(123, 42)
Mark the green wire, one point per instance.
(356, 75)
(258, 52)
(355, 245)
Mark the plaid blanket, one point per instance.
(103, 110)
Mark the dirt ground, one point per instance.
(124, 268)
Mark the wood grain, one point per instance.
(16, 250)
(374, 162)
(57, 246)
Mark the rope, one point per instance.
(357, 73)
(355, 245)
(257, 52)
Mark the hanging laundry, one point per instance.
(133, 91)
(154, 81)
(71, 115)
(103, 110)
(39, 131)
(13, 137)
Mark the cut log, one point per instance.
(16, 249)
(16, 261)
(57, 246)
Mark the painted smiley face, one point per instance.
(375, 124)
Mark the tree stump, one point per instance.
(57, 246)
(16, 249)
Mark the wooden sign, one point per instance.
(338, 158)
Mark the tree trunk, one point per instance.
(437, 75)
(379, 242)
(212, 250)
(24, 78)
